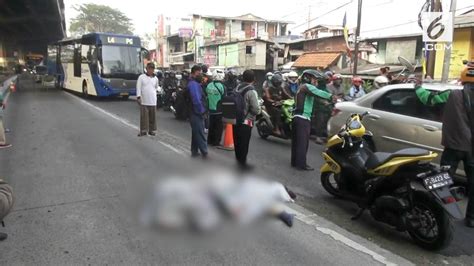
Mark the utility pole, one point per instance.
(309, 16)
(430, 64)
(357, 33)
(447, 52)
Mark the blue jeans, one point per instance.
(198, 141)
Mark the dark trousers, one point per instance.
(215, 129)
(452, 158)
(242, 134)
(198, 139)
(321, 120)
(300, 141)
(147, 118)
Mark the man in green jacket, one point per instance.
(304, 105)
(457, 132)
(215, 90)
(3, 142)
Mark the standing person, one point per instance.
(243, 130)
(197, 112)
(356, 90)
(215, 91)
(6, 203)
(304, 101)
(458, 129)
(3, 141)
(147, 87)
(322, 111)
(231, 79)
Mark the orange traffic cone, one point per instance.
(228, 138)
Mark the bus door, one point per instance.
(77, 60)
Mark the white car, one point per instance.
(397, 118)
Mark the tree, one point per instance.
(99, 18)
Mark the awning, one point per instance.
(180, 55)
(296, 52)
(288, 65)
(317, 59)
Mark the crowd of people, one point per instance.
(314, 94)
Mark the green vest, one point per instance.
(309, 100)
(214, 91)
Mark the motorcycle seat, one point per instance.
(379, 158)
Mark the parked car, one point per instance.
(397, 118)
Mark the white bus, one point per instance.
(99, 64)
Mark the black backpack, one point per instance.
(233, 106)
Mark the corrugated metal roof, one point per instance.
(317, 59)
(464, 21)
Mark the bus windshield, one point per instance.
(119, 60)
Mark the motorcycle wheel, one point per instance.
(436, 229)
(261, 131)
(329, 182)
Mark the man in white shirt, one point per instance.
(147, 87)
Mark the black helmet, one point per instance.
(276, 80)
(185, 74)
(231, 74)
(311, 73)
(159, 74)
(204, 68)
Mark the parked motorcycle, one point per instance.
(265, 126)
(402, 189)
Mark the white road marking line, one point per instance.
(339, 237)
(123, 121)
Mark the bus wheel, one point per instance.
(84, 89)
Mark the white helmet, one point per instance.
(218, 75)
(269, 74)
(292, 74)
(380, 81)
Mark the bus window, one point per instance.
(77, 60)
(67, 53)
(120, 60)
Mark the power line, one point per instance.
(408, 22)
(335, 9)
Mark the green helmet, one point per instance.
(311, 73)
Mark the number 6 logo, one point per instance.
(432, 27)
(438, 27)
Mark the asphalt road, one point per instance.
(75, 161)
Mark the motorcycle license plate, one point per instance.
(438, 181)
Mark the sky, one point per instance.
(379, 17)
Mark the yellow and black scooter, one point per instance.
(402, 189)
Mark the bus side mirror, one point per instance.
(145, 53)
